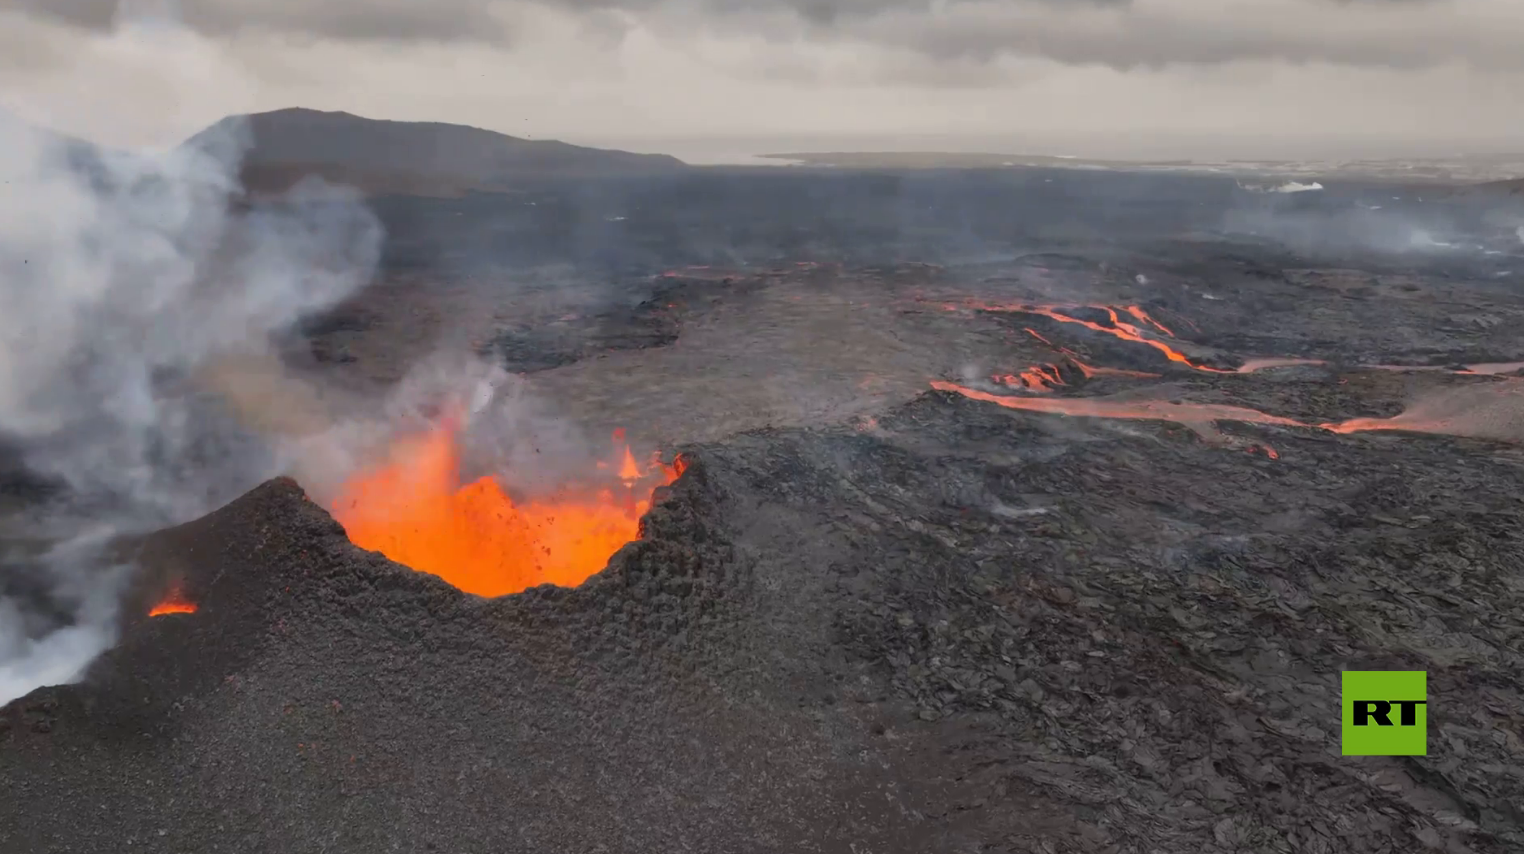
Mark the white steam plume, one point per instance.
(121, 277)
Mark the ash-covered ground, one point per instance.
(874, 615)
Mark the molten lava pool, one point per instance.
(415, 510)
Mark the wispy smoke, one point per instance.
(1316, 225)
(126, 279)
(1282, 188)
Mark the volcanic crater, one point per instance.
(1060, 553)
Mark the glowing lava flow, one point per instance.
(1046, 378)
(1100, 407)
(1118, 328)
(1491, 410)
(1486, 414)
(415, 511)
(1125, 331)
(174, 602)
(1481, 413)
(1039, 378)
(1252, 365)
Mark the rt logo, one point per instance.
(1385, 713)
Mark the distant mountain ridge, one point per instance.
(415, 158)
(1512, 187)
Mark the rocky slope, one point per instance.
(411, 158)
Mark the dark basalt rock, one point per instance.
(992, 648)
(950, 626)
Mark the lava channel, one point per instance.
(1038, 378)
(1100, 407)
(415, 510)
(1041, 379)
(1128, 330)
(1117, 327)
(1490, 413)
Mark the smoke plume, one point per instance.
(1324, 225)
(506, 430)
(135, 286)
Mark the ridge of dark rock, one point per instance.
(420, 158)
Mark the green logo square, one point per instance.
(1386, 713)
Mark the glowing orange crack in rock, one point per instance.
(1414, 420)
(1094, 407)
(1046, 378)
(415, 511)
(1040, 378)
(174, 602)
(1126, 331)
(1119, 328)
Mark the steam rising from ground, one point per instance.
(1287, 187)
(128, 280)
(1339, 228)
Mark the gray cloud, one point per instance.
(830, 13)
(615, 71)
(1121, 34)
(360, 20)
(1158, 35)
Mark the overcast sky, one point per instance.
(1147, 77)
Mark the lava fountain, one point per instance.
(415, 510)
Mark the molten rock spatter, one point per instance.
(174, 602)
(415, 511)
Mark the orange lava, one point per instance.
(1444, 413)
(174, 602)
(1118, 328)
(1129, 331)
(1407, 422)
(1488, 416)
(1137, 311)
(1046, 378)
(1252, 365)
(415, 511)
(1124, 330)
(1039, 378)
(1090, 371)
(1099, 407)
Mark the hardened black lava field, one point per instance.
(1032, 515)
